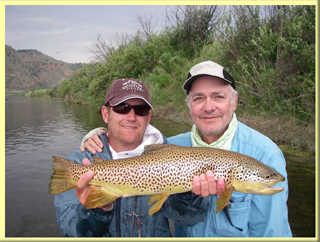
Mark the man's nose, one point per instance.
(209, 105)
(131, 115)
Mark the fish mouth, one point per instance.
(271, 190)
(257, 188)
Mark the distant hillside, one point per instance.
(31, 69)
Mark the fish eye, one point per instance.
(267, 176)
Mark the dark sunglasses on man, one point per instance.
(124, 108)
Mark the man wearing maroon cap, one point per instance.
(127, 111)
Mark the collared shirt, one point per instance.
(250, 215)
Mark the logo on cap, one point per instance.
(124, 89)
(132, 85)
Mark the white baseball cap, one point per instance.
(207, 68)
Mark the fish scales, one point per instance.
(163, 170)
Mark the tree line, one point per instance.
(269, 50)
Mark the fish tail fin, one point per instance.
(61, 180)
(158, 200)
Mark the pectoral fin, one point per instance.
(223, 200)
(158, 199)
(99, 196)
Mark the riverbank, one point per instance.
(283, 130)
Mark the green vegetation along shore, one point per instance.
(269, 50)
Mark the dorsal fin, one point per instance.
(148, 149)
(98, 160)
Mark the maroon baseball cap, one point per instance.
(125, 89)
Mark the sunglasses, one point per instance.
(124, 108)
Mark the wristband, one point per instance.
(92, 132)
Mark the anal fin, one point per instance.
(158, 200)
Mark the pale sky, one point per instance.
(67, 33)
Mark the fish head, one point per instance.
(255, 177)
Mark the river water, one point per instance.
(36, 129)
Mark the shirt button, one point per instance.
(202, 220)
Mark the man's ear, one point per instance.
(105, 113)
(235, 103)
(149, 116)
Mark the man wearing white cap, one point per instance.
(212, 101)
(127, 111)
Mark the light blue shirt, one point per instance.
(246, 215)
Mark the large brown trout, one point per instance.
(163, 170)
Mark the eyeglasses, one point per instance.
(124, 108)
